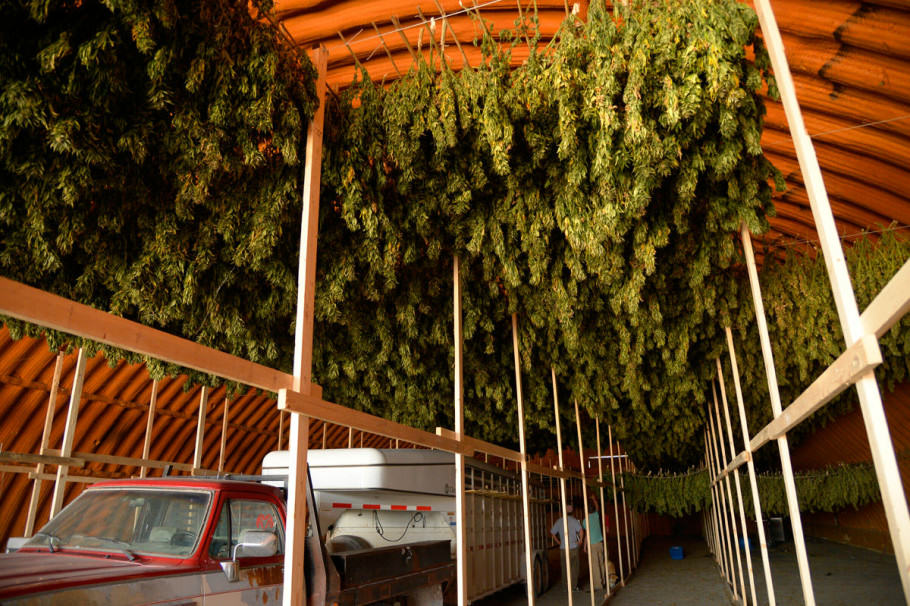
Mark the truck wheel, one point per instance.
(544, 574)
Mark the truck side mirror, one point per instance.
(256, 544)
(230, 570)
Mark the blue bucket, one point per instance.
(676, 553)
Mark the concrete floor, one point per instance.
(841, 575)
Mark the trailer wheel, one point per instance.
(539, 578)
(544, 574)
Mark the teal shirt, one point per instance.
(596, 535)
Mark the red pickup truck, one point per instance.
(183, 541)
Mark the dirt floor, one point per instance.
(841, 575)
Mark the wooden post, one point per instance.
(727, 500)
(224, 428)
(461, 551)
(45, 436)
(718, 536)
(751, 465)
(625, 513)
(562, 491)
(280, 429)
(603, 508)
(622, 576)
(200, 430)
(894, 499)
(796, 524)
(739, 491)
(525, 500)
(323, 434)
(295, 593)
(149, 424)
(721, 507)
(584, 498)
(69, 432)
(350, 437)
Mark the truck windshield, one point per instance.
(129, 521)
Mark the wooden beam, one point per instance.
(890, 305)
(294, 591)
(562, 490)
(149, 426)
(729, 542)
(525, 500)
(69, 431)
(45, 459)
(341, 415)
(584, 499)
(739, 490)
(224, 427)
(783, 446)
(849, 367)
(471, 445)
(108, 459)
(622, 578)
(461, 544)
(29, 304)
(603, 510)
(45, 437)
(756, 502)
(200, 428)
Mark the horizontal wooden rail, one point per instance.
(29, 304)
(471, 445)
(47, 459)
(740, 460)
(132, 461)
(314, 406)
(859, 359)
(890, 305)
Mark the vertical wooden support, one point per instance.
(224, 427)
(350, 437)
(603, 508)
(584, 499)
(525, 499)
(622, 576)
(766, 564)
(45, 437)
(739, 490)
(718, 536)
(730, 506)
(69, 432)
(200, 430)
(461, 549)
(799, 541)
(280, 429)
(149, 425)
(722, 505)
(323, 435)
(562, 491)
(294, 593)
(894, 499)
(625, 513)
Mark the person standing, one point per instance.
(598, 564)
(575, 538)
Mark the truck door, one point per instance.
(255, 578)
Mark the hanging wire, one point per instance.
(864, 125)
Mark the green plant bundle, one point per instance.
(150, 165)
(593, 191)
(827, 490)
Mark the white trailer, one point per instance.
(370, 497)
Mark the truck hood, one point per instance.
(35, 572)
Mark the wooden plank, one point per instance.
(850, 366)
(45, 437)
(756, 502)
(46, 459)
(729, 541)
(75, 479)
(622, 577)
(889, 305)
(739, 490)
(341, 415)
(224, 427)
(525, 501)
(603, 510)
(562, 490)
(29, 304)
(470, 445)
(149, 426)
(584, 499)
(294, 581)
(131, 461)
(736, 463)
(69, 431)
(461, 543)
(200, 427)
(796, 524)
